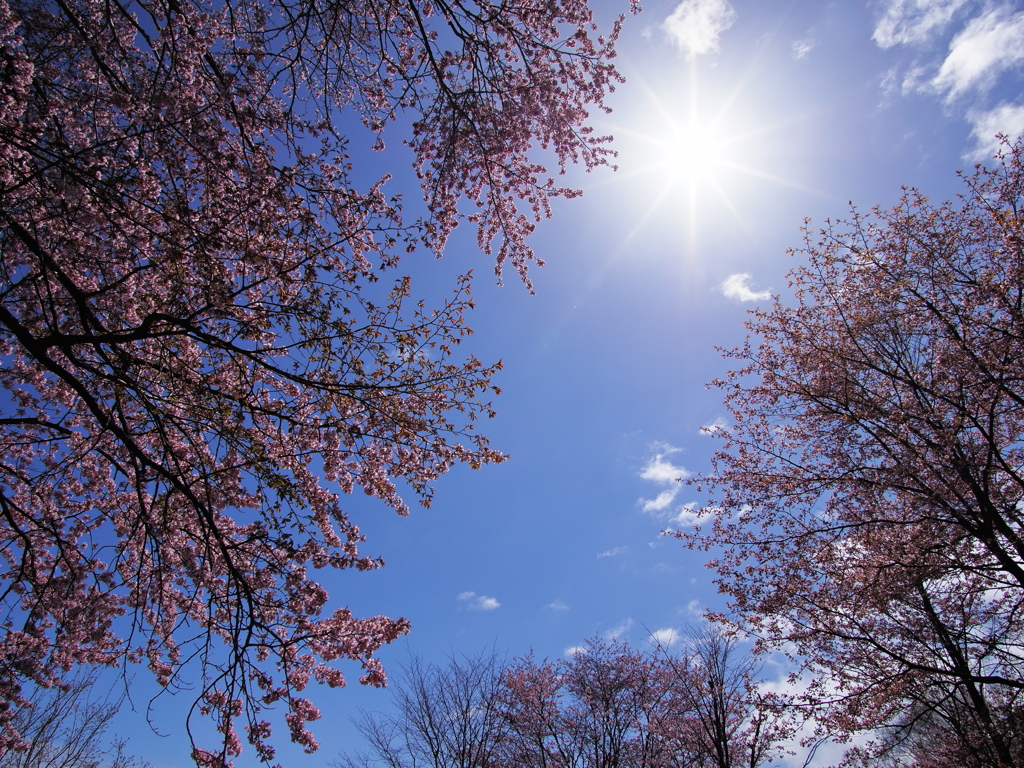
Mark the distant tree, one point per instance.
(205, 341)
(610, 694)
(66, 727)
(606, 706)
(713, 715)
(445, 717)
(588, 711)
(591, 710)
(869, 495)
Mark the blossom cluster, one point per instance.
(205, 341)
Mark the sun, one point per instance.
(695, 152)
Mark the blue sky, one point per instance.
(739, 119)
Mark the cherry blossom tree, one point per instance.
(868, 494)
(950, 739)
(206, 340)
(595, 709)
(714, 713)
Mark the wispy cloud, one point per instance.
(612, 552)
(916, 79)
(662, 568)
(572, 650)
(914, 21)
(694, 609)
(557, 605)
(696, 25)
(802, 47)
(737, 287)
(619, 630)
(990, 44)
(477, 602)
(1006, 119)
(659, 469)
(985, 45)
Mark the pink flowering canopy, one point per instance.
(867, 506)
(205, 340)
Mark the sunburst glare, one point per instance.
(694, 151)
(698, 151)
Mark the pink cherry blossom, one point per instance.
(868, 498)
(205, 343)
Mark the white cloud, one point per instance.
(714, 426)
(665, 638)
(477, 602)
(737, 287)
(572, 650)
(687, 516)
(612, 552)
(663, 472)
(890, 82)
(619, 630)
(802, 47)
(557, 605)
(661, 501)
(694, 608)
(985, 48)
(1006, 119)
(914, 21)
(695, 25)
(823, 751)
(988, 46)
(660, 470)
(916, 79)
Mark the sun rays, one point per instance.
(696, 152)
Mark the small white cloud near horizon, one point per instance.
(665, 638)
(557, 605)
(619, 630)
(695, 25)
(737, 287)
(572, 650)
(988, 46)
(660, 470)
(477, 602)
(914, 21)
